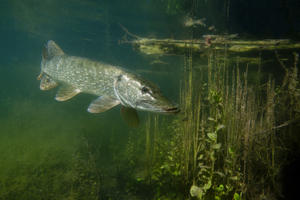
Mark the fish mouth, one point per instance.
(173, 110)
(156, 107)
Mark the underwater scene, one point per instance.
(149, 99)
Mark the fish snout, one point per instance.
(173, 109)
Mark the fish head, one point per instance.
(135, 92)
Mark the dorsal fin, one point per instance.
(51, 49)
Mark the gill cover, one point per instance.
(123, 89)
(134, 92)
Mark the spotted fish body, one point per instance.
(113, 85)
(83, 74)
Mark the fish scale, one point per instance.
(88, 76)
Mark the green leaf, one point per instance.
(221, 187)
(212, 136)
(230, 150)
(170, 158)
(211, 119)
(200, 157)
(212, 156)
(207, 186)
(236, 196)
(196, 191)
(216, 146)
(219, 127)
(139, 179)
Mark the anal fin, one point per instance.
(66, 92)
(102, 103)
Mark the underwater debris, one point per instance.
(231, 42)
(212, 28)
(188, 22)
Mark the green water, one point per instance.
(52, 150)
(57, 150)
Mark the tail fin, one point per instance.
(51, 49)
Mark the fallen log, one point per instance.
(231, 43)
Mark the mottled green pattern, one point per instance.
(84, 74)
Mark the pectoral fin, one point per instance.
(47, 83)
(130, 116)
(66, 92)
(102, 103)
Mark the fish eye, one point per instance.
(145, 90)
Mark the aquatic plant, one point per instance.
(225, 144)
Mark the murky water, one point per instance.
(57, 150)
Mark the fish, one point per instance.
(113, 85)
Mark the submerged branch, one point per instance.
(127, 32)
(209, 42)
(284, 124)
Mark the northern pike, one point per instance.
(113, 85)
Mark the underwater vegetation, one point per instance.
(232, 139)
